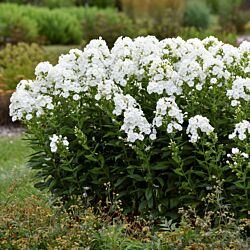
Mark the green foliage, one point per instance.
(106, 23)
(161, 18)
(103, 3)
(223, 6)
(150, 177)
(62, 25)
(192, 32)
(29, 23)
(227, 10)
(17, 62)
(197, 14)
(57, 26)
(16, 27)
(24, 211)
(57, 3)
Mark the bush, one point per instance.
(240, 20)
(192, 32)
(103, 3)
(197, 14)
(152, 124)
(161, 18)
(227, 10)
(18, 62)
(108, 24)
(14, 26)
(63, 25)
(57, 3)
(55, 26)
(30, 24)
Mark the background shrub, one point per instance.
(62, 25)
(161, 18)
(18, 62)
(16, 27)
(197, 14)
(106, 23)
(226, 9)
(192, 32)
(57, 26)
(30, 24)
(103, 3)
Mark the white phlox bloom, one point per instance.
(42, 69)
(163, 78)
(123, 65)
(165, 69)
(240, 90)
(240, 130)
(122, 103)
(27, 100)
(168, 112)
(135, 125)
(107, 89)
(235, 151)
(56, 140)
(196, 124)
(190, 72)
(94, 63)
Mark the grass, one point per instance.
(15, 177)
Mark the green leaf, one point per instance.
(136, 177)
(178, 171)
(149, 193)
(160, 166)
(91, 157)
(66, 168)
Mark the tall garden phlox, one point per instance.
(156, 119)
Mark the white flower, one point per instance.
(56, 140)
(240, 130)
(76, 97)
(240, 90)
(245, 155)
(172, 72)
(235, 150)
(213, 80)
(167, 112)
(197, 123)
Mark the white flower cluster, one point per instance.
(135, 124)
(168, 70)
(28, 99)
(56, 140)
(240, 130)
(167, 108)
(197, 123)
(240, 90)
(236, 151)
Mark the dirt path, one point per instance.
(11, 130)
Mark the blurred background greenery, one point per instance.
(36, 30)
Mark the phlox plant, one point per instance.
(160, 121)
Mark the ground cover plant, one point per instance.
(153, 124)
